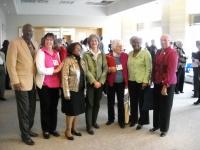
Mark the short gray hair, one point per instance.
(133, 38)
(115, 43)
(93, 36)
(179, 44)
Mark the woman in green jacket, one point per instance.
(96, 74)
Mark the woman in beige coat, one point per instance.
(73, 82)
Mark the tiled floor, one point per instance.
(184, 132)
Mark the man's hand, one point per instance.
(17, 87)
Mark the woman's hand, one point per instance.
(164, 90)
(112, 69)
(67, 97)
(144, 85)
(58, 69)
(97, 84)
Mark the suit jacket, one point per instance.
(20, 63)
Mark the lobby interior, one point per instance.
(112, 19)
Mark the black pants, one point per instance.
(180, 79)
(162, 107)
(48, 108)
(117, 88)
(136, 98)
(26, 104)
(93, 98)
(2, 81)
(7, 81)
(196, 71)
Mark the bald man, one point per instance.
(21, 69)
(164, 78)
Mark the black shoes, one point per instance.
(176, 92)
(96, 126)
(153, 129)
(33, 134)
(55, 133)
(70, 138)
(109, 123)
(194, 96)
(90, 131)
(197, 102)
(163, 134)
(46, 135)
(122, 125)
(28, 141)
(2, 99)
(132, 124)
(139, 127)
(76, 133)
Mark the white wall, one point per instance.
(111, 25)
(2, 27)
(16, 21)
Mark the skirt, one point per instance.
(75, 105)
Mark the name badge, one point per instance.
(119, 67)
(55, 63)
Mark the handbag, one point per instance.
(148, 99)
(126, 107)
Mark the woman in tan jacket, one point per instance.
(73, 82)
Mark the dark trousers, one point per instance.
(118, 89)
(93, 98)
(162, 107)
(180, 79)
(7, 82)
(2, 81)
(48, 108)
(196, 71)
(26, 104)
(136, 98)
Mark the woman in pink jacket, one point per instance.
(48, 83)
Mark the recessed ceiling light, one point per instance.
(66, 2)
(102, 3)
(28, 1)
(42, 1)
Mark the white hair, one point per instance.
(116, 43)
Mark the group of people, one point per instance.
(79, 80)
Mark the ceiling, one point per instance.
(68, 7)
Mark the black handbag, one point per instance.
(148, 98)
